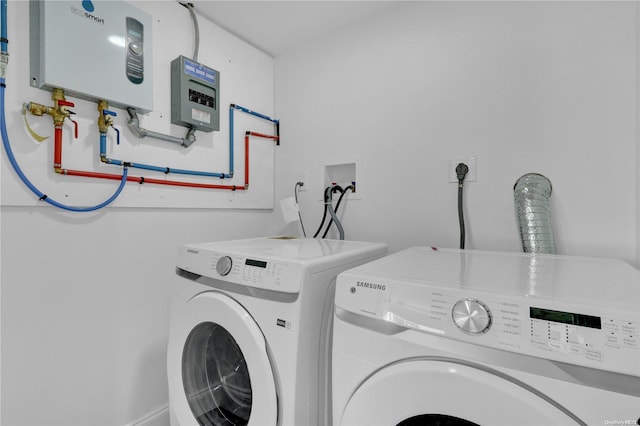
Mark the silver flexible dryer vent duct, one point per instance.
(531, 197)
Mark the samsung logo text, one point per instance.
(372, 286)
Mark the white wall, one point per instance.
(637, 137)
(85, 297)
(545, 87)
(85, 305)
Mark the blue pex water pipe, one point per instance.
(257, 114)
(42, 196)
(7, 145)
(3, 34)
(167, 170)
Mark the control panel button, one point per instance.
(471, 316)
(224, 265)
(135, 48)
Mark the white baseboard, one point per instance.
(159, 417)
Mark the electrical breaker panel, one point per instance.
(195, 92)
(95, 50)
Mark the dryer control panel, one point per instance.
(472, 305)
(607, 340)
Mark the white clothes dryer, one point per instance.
(250, 327)
(460, 338)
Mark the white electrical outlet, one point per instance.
(472, 175)
(302, 177)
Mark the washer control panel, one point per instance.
(248, 271)
(224, 265)
(597, 337)
(255, 272)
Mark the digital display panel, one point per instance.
(258, 263)
(565, 317)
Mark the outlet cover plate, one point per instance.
(471, 162)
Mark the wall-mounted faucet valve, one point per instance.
(58, 112)
(105, 120)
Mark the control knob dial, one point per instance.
(471, 316)
(224, 265)
(135, 48)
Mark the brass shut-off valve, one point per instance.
(58, 112)
(105, 119)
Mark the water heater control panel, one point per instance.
(135, 51)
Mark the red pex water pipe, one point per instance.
(246, 152)
(57, 149)
(57, 163)
(140, 179)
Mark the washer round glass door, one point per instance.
(218, 367)
(215, 377)
(430, 393)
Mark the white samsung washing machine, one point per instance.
(460, 338)
(250, 327)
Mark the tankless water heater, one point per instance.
(95, 50)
